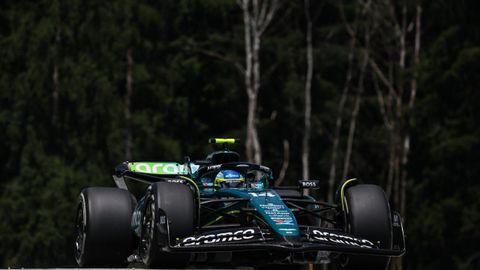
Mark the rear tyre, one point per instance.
(177, 202)
(368, 216)
(103, 233)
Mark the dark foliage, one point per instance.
(60, 135)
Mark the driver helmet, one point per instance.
(229, 179)
(256, 180)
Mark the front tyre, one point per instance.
(367, 213)
(103, 233)
(178, 204)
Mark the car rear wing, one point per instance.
(151, 172)
(160, 168)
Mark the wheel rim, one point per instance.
(80, 225)
(148, 231)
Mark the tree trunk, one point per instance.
(256, 18)
(391, 163)
(252, 97)
(396, 121)
(358, 99)
(55, 80)
(257, 150)
(340, 107)
(55, 94)
(411, 103)
(127, 109)
(252, 135)
(308, 102)
(285, 163)
(402, 32)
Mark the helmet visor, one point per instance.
(231, 184)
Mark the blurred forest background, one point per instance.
(387, 91)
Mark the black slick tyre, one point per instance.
(368, 216)
(104, 237)
(178, 204)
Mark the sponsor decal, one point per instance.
(161, 168)
(258, 185)
(231, 174)
(158, 167)
(283, 221)
(179, 181)
(278, 213)
(274, 211)
(163, 220)
(341, 239)
(261, 194)
(309, 183)
(214, 167)
(264, 168)
(288, 231)
(220, 237)
(243, 166)
(194, 167)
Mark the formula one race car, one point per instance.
(221, 211)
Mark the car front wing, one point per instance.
(311, 239)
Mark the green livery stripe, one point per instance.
(342, 193)
(196, 188)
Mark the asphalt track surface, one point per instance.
(203, 268)
(129, 268)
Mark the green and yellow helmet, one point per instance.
(229, 179)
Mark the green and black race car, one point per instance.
(221, 211)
